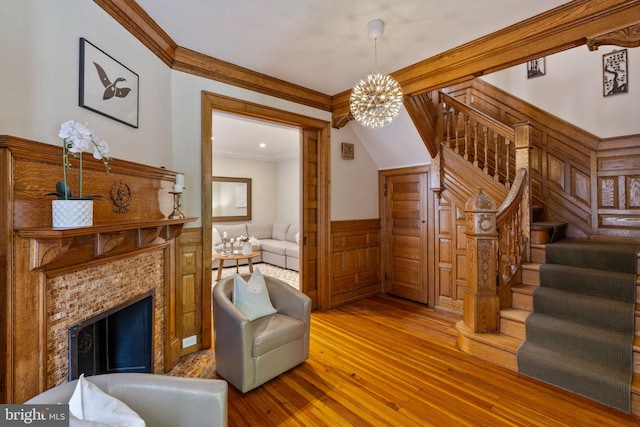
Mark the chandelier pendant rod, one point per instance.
(375, 54)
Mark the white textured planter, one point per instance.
(72, 213)
(247, 248)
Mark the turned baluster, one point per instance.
(446, 120)
(475, 144)
(485, 132)
(466, 137)
(507, 180)
(496, 162)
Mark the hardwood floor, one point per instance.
(386, 361)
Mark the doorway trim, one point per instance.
(211, 102)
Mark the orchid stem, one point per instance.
(64, 169)
(80, 178)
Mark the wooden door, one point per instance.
(405, 223)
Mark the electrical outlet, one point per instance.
(189, 341)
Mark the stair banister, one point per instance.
(498, 242)
(479, 138)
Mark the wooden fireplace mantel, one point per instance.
(37, 261)
(48, 246)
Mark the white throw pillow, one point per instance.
(90, 403)
(252, 298)
(76, 422)
(279, 231)
(215, 237)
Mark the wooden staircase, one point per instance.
(501, 348)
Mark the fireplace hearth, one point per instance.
(118, 340)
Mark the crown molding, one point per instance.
(135, 20)
(625, 37)
(562, 28)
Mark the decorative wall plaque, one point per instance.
(614, 72)
(121, 196)
(347, 151)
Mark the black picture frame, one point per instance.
(536, 68)
(107, 87)
(615, 73)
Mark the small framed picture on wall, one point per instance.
(536, 68)
(347, 151)
(614, 73)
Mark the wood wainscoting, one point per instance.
(355, 260)
(190, 292)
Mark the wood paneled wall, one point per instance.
(451, 255)
(593, 184)
(356, 263)
(189, 289)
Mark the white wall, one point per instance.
(396, 145)
(264, 179)
(288, 187)
(354, 183)
(186, 94)
(39, 52)
(572, 90)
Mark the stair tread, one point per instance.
(596, 311)
(534, 266)
(635, 384)
(501, 341)
(541, 326)
(515, 314)
(524, 289)
(572, 362)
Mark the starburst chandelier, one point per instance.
(375, 101)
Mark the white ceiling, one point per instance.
(238, 136)
(324, 45)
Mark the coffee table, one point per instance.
(237, 257)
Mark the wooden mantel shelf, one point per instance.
(48, 246)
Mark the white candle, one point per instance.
(224, 234)
(179, 185)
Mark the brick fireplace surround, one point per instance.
(83, 294)
(52, 278)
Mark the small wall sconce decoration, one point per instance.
(347, 151)
(536, 68)
(614, 73)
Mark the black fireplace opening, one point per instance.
(118, 340)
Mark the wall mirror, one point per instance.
(231, 199)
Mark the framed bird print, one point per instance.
(106, 86)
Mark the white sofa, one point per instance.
(279, 244)
(160, 400)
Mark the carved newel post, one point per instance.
(481, 302)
